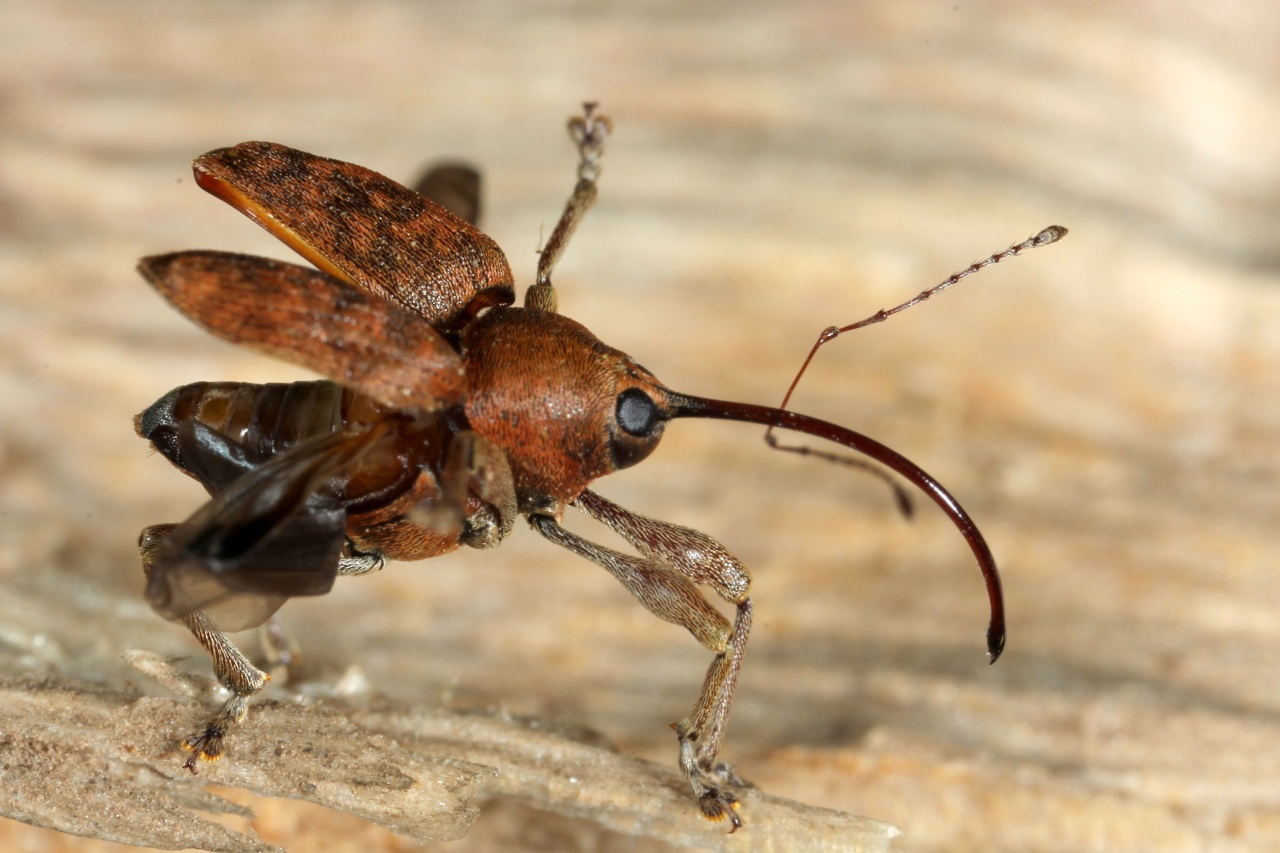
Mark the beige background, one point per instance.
(1106, 408)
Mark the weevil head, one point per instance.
(565, 407)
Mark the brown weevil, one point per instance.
(447, 413)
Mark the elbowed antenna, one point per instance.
(685, 406)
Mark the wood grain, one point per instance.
(1107, 408)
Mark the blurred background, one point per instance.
(1106, 408)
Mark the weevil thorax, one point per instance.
(565, 407)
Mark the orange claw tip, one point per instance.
(721, 813)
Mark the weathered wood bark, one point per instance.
(1108, 409)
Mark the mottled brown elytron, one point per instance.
(446, 413)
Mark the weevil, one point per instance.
(447, 412)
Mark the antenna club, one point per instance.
(1052, 234)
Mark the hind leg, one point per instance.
(232, 669)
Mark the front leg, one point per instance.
(703, 560)
(700, 733)
(675, 558)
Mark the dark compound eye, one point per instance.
(637, 414)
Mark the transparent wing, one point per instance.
(274, 532)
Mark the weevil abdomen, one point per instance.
(395, 495)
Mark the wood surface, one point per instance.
(1107, 408)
